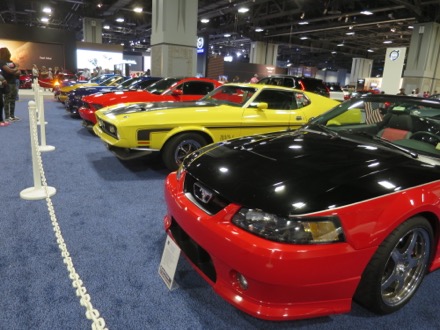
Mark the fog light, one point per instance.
(242, 281)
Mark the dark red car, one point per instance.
(167, 89)
(25, 79)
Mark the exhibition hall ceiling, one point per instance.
(321, 33)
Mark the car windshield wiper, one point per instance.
(389, 144)
(322, 129)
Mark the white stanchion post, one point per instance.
(37, 191)
(43, 146)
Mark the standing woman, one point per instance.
(11, 73)
(3, 87)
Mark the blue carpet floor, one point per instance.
(110, 214)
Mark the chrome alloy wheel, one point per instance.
(405, 267)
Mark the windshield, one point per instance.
(230, 94)
(406, 122)
(161, 86)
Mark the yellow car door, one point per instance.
(270, 111)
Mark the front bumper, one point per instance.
(285, 281)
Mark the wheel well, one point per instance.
(206, 136)
(435, 224)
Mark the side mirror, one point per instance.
(177, 92)
(262, 105)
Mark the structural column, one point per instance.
(92, 29)
(263, 53)
(423, 61)
(361, 68)
(174, 38)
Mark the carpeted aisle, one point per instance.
(110, 214)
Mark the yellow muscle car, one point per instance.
(175, 129)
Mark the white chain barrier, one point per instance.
(98, 322)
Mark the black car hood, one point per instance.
(301, 172)
(154, 106)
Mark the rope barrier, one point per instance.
(98, 323)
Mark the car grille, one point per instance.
(198, 256)
(205, 198)
(108, 128)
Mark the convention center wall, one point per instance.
(31, 45)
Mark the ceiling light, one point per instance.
(120, 19)
(334, 52)
(243, 10)
(303, 23)
(304, 38)
(44, 19)
(137, 9)
(410, 27)
(350, 33)
(387, 42)
(303, 14)
(259, 30)
(393, 29)
(366, 12)
(340, 45)
(370, 50)
(204, 20)
(47, 10)
(227, 35)
(106, 27)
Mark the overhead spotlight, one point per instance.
(99, 4)
(346, 19)
(303, 14)
(393, 29)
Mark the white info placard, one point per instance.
(168, 263)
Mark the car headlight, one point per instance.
(296, 230)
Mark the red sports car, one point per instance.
(297, 224)
(167, 89)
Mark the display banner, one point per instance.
(393, 70)
(26, 54)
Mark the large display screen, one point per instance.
(25, 54)
(91, 59)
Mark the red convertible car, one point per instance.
(167, 89)
(298, 224)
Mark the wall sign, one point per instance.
(394, 55)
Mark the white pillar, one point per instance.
(361, 68)
(423, 61)
(263, 53)
(174, 38)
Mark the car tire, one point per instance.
(398, 267)
(179, 146)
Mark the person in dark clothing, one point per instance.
(11, 73)
(3, 87)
